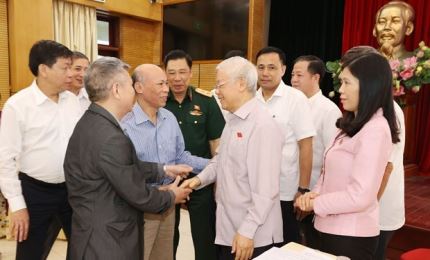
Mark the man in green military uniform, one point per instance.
(201, 123)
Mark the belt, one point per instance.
(24, 177)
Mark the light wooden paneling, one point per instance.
(196, 74)
(204, 74)
(158, 43)
(139, 41)
(207, 76)
(29, 21)
(139, 8)
(174, 2)
(4, 55)
(256, 27)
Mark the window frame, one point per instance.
(112, 49)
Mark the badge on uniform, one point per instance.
(196, 111)
(239, 134)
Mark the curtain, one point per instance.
(423, 133)
(75, 26)
(357, 30)
(307, 27)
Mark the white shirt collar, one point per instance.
(83, 93)
(315, 97)
(279, 92)
(41, 98)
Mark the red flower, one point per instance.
(398, 91)
(406, 74)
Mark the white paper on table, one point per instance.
(276, 253)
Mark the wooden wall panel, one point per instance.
(138, 8)
(137, 41)
(158, 43)
(204, 74)
(174, 2)
(196, 74)
(29, 21)
(207, 76)
(4, 55)
(256, 27)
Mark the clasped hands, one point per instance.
(181, 170)
(305, 202)
(186, 187)
(178, 172)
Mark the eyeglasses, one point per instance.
(220, 85)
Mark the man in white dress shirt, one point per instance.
(35, 128)
(290, 108)
(80, 64)
(307, 74)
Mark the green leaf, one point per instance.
(333, 66)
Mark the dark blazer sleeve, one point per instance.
(153, 172)
(117, 163)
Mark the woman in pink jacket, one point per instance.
(345, 197)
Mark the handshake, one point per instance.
(178, 172)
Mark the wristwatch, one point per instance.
(303, 190)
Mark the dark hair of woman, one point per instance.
(375, 78)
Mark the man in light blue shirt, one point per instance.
(157, 137)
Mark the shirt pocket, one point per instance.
(198, 121)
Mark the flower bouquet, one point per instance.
(409, 73)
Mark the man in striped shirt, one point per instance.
(157, 137)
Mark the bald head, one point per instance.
(143, 71)
(150, 83)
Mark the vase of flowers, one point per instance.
(409, 74)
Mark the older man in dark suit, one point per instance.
(105, 180)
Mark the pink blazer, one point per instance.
(348, 188)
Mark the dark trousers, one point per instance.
(46, 204)
(311, 236)
(383, 240)
(224, 252)
(289, 222)
(356, 248)
(201, 208)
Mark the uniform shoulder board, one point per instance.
(203, 92)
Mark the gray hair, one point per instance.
(137, 76)
(240, 68)
(100, 76)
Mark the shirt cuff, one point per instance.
(248, 229)
(317, 208)
(203, 182)
(17, 203)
